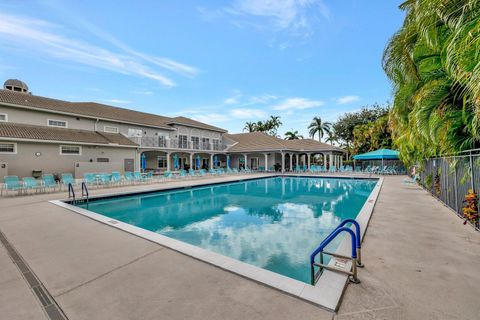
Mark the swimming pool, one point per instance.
(272, 223)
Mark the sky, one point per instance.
(220, 62)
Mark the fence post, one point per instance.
(471, 172)
(455, 185)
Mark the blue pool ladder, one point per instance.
(356, 256)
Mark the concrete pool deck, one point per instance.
(421, 263)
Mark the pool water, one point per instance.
(272, 223)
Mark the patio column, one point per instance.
(283, 166)
(308, 161)
(191, 160)
(266, 161)
(341, 160)
(297, 161)
(331, 159)
(245, 157)
(168, 161)
(291, 162)
(211, 161)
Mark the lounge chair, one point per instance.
(116, 178)
(412, 180)
(167, 175)
(90, 179)
(12, 183)
(137, 176)
(129, 177)
(66, 179)
(30, 183)
(49, 182)
(148, 177)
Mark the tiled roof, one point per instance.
(309, 145)
(254, 141)
(258, 141)
(194, 123)
(98, 110)
(26, 131)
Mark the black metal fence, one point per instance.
(450, 178)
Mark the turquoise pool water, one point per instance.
(273, 223)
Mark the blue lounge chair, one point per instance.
(66, 179)
(148, 176)
(129, 177)
(49, 182)
(12, 183)
(137, 176)
(30, 183)
(116, 178)
(167, 175)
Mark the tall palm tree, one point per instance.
(319, 126)
(433, 63)
(250, 127)
(293, 135)
(331, 137)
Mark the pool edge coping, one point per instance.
(331, 282)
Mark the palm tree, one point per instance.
(293, 135)
(331, 137)
(318, 126)
(433, 62)
(250, 127)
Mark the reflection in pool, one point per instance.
(272, 223)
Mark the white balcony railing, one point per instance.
(161, 142)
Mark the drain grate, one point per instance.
(52, 310)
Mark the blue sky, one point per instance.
(222, 62)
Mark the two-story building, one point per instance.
(44, 135)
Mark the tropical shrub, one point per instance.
(433, 62)
(470, 209)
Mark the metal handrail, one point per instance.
(358, 239)
(84, 190)
(71, 192)
(356, 248)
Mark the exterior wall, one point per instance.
(40, 118)
(50, 161)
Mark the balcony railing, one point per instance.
(160, 142)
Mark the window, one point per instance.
(71, 150)
(162, 162)
(6, 147)
(182, 141)
(57, 123)
(138, 133)
(103, 160)
(195, 143)
(206, 143)
(3, 117)
(216, 144)
(162, 141)
(110, 129)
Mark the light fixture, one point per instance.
(38, 154)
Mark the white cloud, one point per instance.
(231, 100)
(247, 113)
(347, 99)
(296, 16)
(211, 117)
(297, 104)
(118, 101)
(42, 37)
(262, 99)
